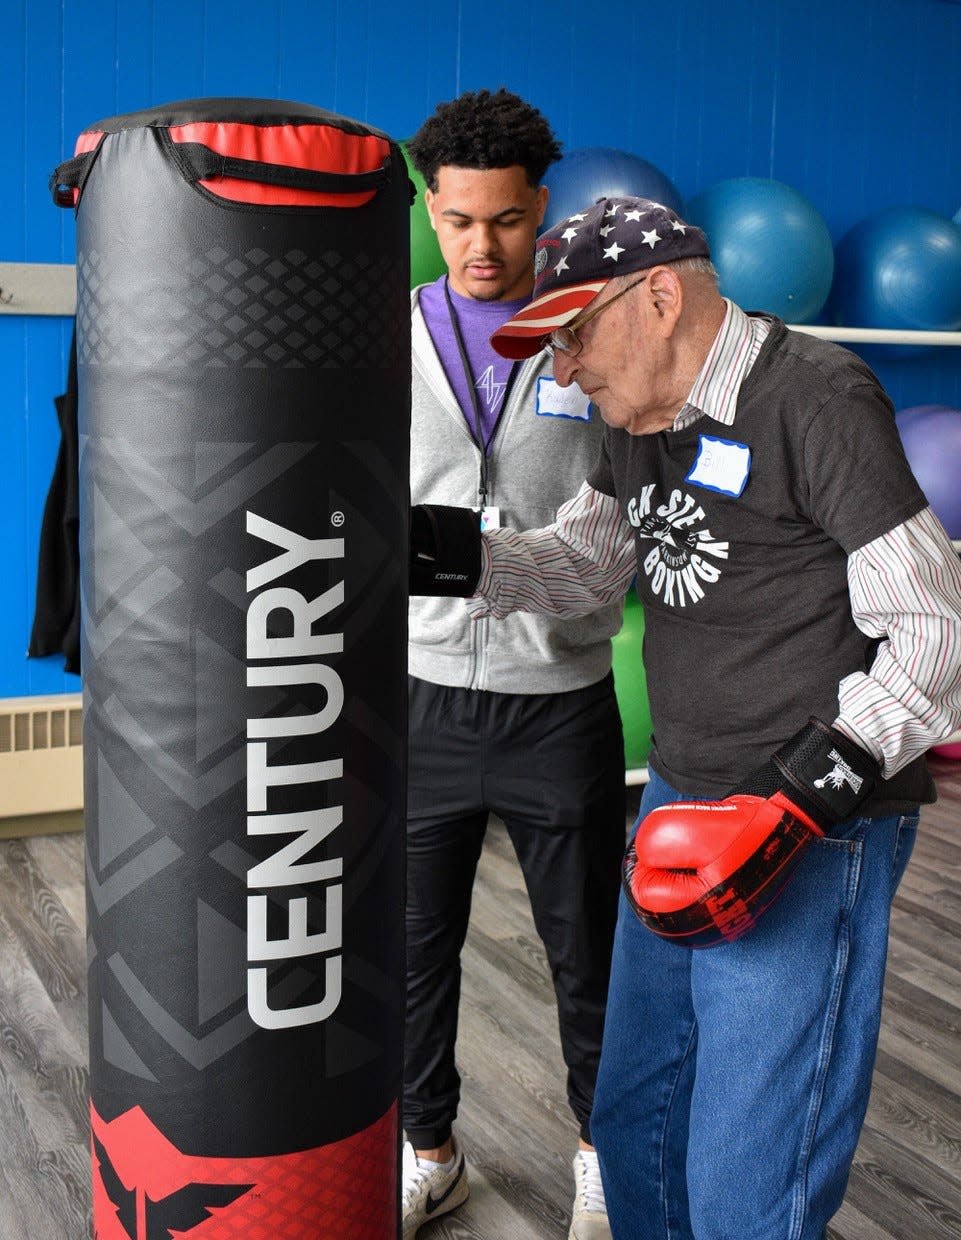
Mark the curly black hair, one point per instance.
(484, 129)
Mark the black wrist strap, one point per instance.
(445, 550)
(827, 775)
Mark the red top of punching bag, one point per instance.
(271, 132)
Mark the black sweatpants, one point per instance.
(552, 767)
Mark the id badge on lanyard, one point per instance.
(490, 517)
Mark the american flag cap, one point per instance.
(575, 259)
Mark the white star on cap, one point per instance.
(679, 227)
(561, 266)
(650, 238)
(572, 218)
(608, 228)
(612, 211)
(633, 215)
(569, 234)
(615, 251)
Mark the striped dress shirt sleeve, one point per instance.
(585, 559)
(905, 589)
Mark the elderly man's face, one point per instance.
(621, 367)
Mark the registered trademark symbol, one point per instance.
(337, 518)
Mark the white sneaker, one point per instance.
(431, 1189)
(589, 1219)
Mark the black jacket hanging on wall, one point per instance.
(56, 619)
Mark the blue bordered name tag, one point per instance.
(721, 465)
(554, 401)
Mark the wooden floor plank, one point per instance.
(515, 1123)
(904, 1195)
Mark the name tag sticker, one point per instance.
(554, 401)
(721, 465)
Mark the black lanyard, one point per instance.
(478, 432)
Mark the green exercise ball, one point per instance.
(630, 685)
(426, 260)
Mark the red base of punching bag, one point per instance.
(299, 1196)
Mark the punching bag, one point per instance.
(244, 408)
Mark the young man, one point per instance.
(802, 651)
(518, 719)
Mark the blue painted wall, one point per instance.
(857, 104)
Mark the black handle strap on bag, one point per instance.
(200, 163)
(69, 177)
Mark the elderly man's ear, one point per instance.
(664, 294)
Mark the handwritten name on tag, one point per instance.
(721, 465)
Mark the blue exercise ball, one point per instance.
(581, 177)
(931, 435)
(899, 269)
(770, 245)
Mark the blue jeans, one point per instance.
(734, 1080)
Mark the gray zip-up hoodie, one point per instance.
(539, 459)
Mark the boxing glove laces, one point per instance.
(445, 550)
(700, 873)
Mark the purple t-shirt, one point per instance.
(490, 373)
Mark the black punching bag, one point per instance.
(244, 379)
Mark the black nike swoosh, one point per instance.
(433, 1203)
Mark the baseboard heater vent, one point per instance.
(41, 755)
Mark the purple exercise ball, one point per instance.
(931, 435)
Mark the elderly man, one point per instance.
(802, 649)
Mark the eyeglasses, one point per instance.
(566, 340)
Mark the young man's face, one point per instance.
(486, 220)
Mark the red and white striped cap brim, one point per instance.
(526, 333)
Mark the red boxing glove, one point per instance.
(700, 873)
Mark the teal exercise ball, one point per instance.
(582, 176)
(770, 245)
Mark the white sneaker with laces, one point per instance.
(589, 1218)
(431, 1189)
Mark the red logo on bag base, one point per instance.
(144, 1188)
